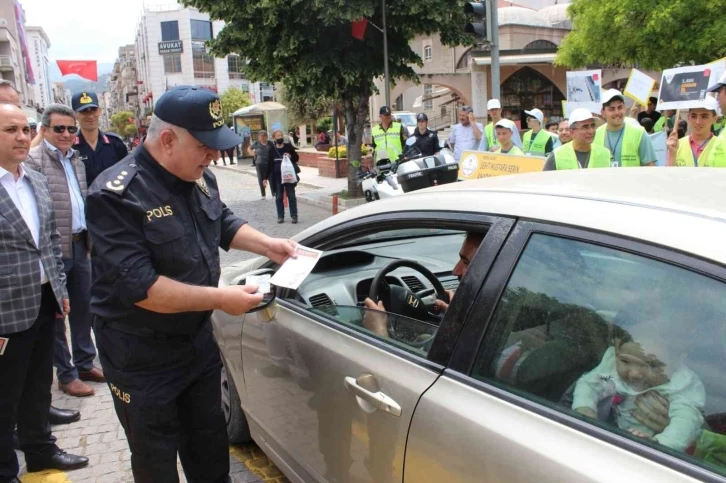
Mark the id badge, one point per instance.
(4, 341)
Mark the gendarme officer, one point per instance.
(98, 150)
(157, 223)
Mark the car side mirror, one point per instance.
(268, 299)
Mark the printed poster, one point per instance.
(480, 164)
(639, 87)
(683, 87)
(584, 89)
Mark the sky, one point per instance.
(85, 29)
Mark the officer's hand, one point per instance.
(280, 249)
(238, 299)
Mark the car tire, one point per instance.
(238, 431)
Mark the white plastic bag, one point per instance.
(287, 170)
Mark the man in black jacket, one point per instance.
(427, 141)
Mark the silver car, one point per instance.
(585, 339)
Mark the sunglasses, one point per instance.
(62, 129)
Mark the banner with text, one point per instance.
(478, 164)
(683, 87)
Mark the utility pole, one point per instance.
(386, 79)
(494, 34)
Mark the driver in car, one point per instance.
(651, 409)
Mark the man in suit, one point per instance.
(32, 291)
(8, 95)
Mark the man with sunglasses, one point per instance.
(98, 150)
(55, 158)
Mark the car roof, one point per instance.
(679, 208)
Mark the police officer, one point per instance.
(98, 150)
(389, 136)
(427, 141)
(156, 224)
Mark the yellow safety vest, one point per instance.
(658, 127)
(714, 156)
(722, 136)
(566, 158)
(630, 147)
(390, 139)
(491, 136)
(515, 151)
(539, 144)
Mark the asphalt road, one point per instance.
(241, 194)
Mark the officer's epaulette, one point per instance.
(113, 135)
(120, 177)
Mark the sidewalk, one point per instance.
(312, 189)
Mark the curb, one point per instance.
(306, 185)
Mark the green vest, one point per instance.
(630, 144)
(538, 145)
(565, 157)
(722, 136)
(658, 127)
(515, 151)
(714, 156)
(491, 135)
(389, 140)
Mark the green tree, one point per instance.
(120, 121)
(651, 34)
(308, 47)
(130, 130)
(234, 99)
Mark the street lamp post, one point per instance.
(385, 55)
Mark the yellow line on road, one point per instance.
(48, 476)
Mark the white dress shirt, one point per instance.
(21, 192)
(464, 139)
(78, 206)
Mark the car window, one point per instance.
(603, 335)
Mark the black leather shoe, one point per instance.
(59, 461)
(12, 480)
(63, 416)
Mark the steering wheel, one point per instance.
(401, 300)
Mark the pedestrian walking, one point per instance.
(280, 150)
(628, 143)
(98, 150)
(701, 149)
(66, 175)
(504, 130)
(489, 139)
(537, 141)
(261, 153)
(581, 152)
(33, 293)
(157, 223)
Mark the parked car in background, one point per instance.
(408, 119)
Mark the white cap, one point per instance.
(611, 94)
(709, 103)
(494, 104)
(721, 82)
(506, 123)
(537, 114)
(580, 114)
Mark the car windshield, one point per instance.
(406, 119)
(401, 234)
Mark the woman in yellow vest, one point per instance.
(701, 149)
(581, 152)
(504, 131)
(629, 145)
(537, 142)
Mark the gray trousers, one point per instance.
(78, 281)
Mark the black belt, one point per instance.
(80, 236)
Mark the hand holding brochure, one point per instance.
(294, 271)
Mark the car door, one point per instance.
(555, 304)
(333, 401)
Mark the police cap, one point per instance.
(84, 100)
(199, 111)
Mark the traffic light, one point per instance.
(481, 12)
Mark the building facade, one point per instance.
(171, 50)
(39, 44)
(15, 59)
(122, 84)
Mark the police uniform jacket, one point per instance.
(146, 223)
(428, 142)
(110, 149)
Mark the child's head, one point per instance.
(641, 366)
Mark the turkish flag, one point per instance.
(84, 68)
(359, 28)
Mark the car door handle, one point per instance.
(377, 399)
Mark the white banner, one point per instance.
(683, 87)
(639, 86)
(584, 89)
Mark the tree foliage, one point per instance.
(307, 45)
(304, 110)
(234, 99)
(120, 121)
(651, 34)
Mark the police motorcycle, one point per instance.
(410, 172)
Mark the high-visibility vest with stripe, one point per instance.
(629, 144)
(714, 156)
(538, 145)
(491, 135)
(390, 140)
(566, 158)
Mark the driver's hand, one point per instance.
(375, 318)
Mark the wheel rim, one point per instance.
(226, 406)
